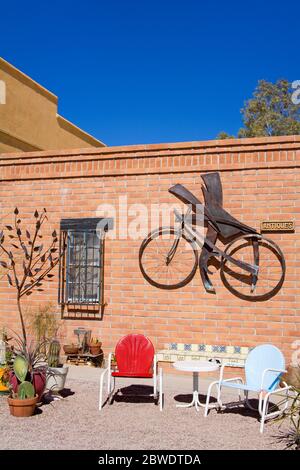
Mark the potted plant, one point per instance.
(290, 434)
(35, 359)
(95, 346)
(23, 399)
(45, 323)
(57, 372)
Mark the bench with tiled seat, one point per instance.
(233, 355)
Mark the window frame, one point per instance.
(68, 227)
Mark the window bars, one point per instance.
(81, 264)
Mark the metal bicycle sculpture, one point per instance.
(251, 266)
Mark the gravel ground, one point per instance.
(74, 422)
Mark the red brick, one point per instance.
(260, 180)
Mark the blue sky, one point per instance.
(134, 71)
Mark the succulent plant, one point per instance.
(53, 353)
(290, 434)
(20, 368)
(26, 390)
(94, 342)
(32, 352)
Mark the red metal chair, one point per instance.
(135, 358)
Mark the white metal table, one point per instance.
(195, 367)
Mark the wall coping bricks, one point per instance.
(213, 145)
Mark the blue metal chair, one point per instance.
(264, 367)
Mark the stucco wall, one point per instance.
(29, 119)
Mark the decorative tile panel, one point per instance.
(232, 355)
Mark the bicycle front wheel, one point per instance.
(270, 262)
(158, 269)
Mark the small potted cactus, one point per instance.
(22, 402)
(95, 346)
(57, 372)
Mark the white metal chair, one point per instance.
(135, 358)
(264, 367)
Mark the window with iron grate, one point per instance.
(81, 266)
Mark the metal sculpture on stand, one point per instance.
(84, 337)
(251, 266)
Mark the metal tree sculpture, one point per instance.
(26, 261)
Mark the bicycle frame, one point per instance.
(199, 240)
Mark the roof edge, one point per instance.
(27, 80)
(71, 127)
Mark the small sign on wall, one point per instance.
(277, 226)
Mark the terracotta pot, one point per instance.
(95, 349)
(70, 349)
(22, 408)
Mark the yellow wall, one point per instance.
(29, 119)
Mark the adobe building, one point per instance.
(260, 179)
(29, 120)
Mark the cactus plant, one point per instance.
(53, 353)
(57, 372)
(95, 346)
(95, 342)
(23, 386)
(20, 368)
(26, 390)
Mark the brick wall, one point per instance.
(260, 180)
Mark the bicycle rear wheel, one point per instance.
(270, 262)
(153, 259)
